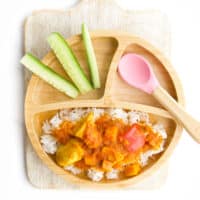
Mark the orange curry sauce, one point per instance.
(105, 144)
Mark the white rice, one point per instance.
(76, 114)
(136, 116)
(133, 117)
(158, 128)
(74, 170)
(55, 121)
(97, 112)
(95, 175)
(144, 117)
(114, 174)
(64, 114)
(118, 113)
(46, 127)
(144, 157)
(49, 143)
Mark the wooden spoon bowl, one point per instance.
(43, 101)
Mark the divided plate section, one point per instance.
(39, 118)
(118, 90)
(104, 48)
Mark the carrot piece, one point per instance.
(112, 155)
(154, 140)
(110, 135)
(107, 165)
(92, 136)
(132, 170)
(91, 159)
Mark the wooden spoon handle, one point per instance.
(190, 124)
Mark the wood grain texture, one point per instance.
(141, 25)
(187, 121)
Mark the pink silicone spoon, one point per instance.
(137, 72)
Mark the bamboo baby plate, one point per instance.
(43, 101)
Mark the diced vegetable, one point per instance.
(87, 130)
(111, 154)
(80, 130)
(91, 159)
(111, 134)
(107, 165)
(132, 170)
(82, 125)
(91, 57)
(48, 75)
(69, 62)
(154, 140)
(131, 158)
(69, 153)
(92, 137)
(134, 138)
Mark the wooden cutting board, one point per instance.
(98, 14)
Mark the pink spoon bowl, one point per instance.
(137, 72)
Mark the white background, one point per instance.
(184, 173)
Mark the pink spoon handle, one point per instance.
(190, 124)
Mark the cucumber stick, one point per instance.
(69, 62)
(50, 76)
(91, 57)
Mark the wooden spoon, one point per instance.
(137, 72)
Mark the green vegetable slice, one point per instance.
(69, 62)
(91, 57)
(50, 76)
